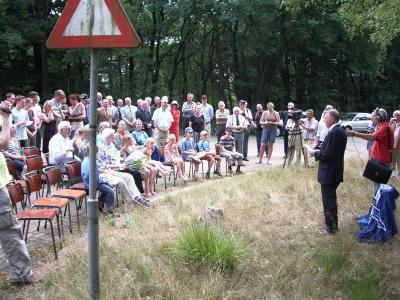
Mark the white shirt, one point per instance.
(208, 112)
(248, 114)
(322, 131)
(221, 114)
(17, 116)
(162, 118)
(232, 122)
(313, 124)
(58, 146)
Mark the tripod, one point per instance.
(293, 139)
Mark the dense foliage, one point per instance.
(343, 52)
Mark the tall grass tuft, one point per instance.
(207, 246)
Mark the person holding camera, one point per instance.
(295, 138)
(269, 121)
(285, 118)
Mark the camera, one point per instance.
(295, 114)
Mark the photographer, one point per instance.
(294, 131)
(309, 126)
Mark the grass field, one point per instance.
(276, 215)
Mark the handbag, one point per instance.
(378, 171)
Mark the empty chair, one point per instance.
(32, 151)
(17, 195)
(54, 178)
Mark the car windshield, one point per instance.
(348, 116)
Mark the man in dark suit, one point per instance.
(330, 170)
(144, 113)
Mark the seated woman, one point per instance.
(127, 146)
(120, 134)
(81, 141)
(148, 151)
(227, 150)
(172, 156)
(204, 147)
(109, 158)
(14, 153)
(138, 134)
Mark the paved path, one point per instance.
(39, 241)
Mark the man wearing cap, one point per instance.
(162, 119)
(188, 109)
(246, 113)
(237, 123)
(144, 114)
(208, 112)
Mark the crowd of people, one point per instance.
(136, 144)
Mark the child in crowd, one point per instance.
(211, 157)
(172, 156)
(189, 152)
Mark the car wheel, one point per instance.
(348, 127)
(278, 131)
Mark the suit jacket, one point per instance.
(331, 156)
(103, 117)
(116, 116)
(129, 116)
(145, 117)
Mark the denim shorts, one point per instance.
(268, 135)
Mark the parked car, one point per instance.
(356, 121)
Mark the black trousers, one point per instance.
(285, 141)
(329, 202)
(185, 123)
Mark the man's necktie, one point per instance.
(119, 113)
(237, 121)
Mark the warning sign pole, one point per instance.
(93, 203)
(93, 24)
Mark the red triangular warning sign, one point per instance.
(93, 24)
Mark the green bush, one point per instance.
(207, 246)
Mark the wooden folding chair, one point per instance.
(32, 151)
(17, 195)
(34, 183)
(54, 178)
(173, 169)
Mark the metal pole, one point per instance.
(93, 210)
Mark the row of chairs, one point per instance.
(55, 204)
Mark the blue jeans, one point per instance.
(106, 195)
